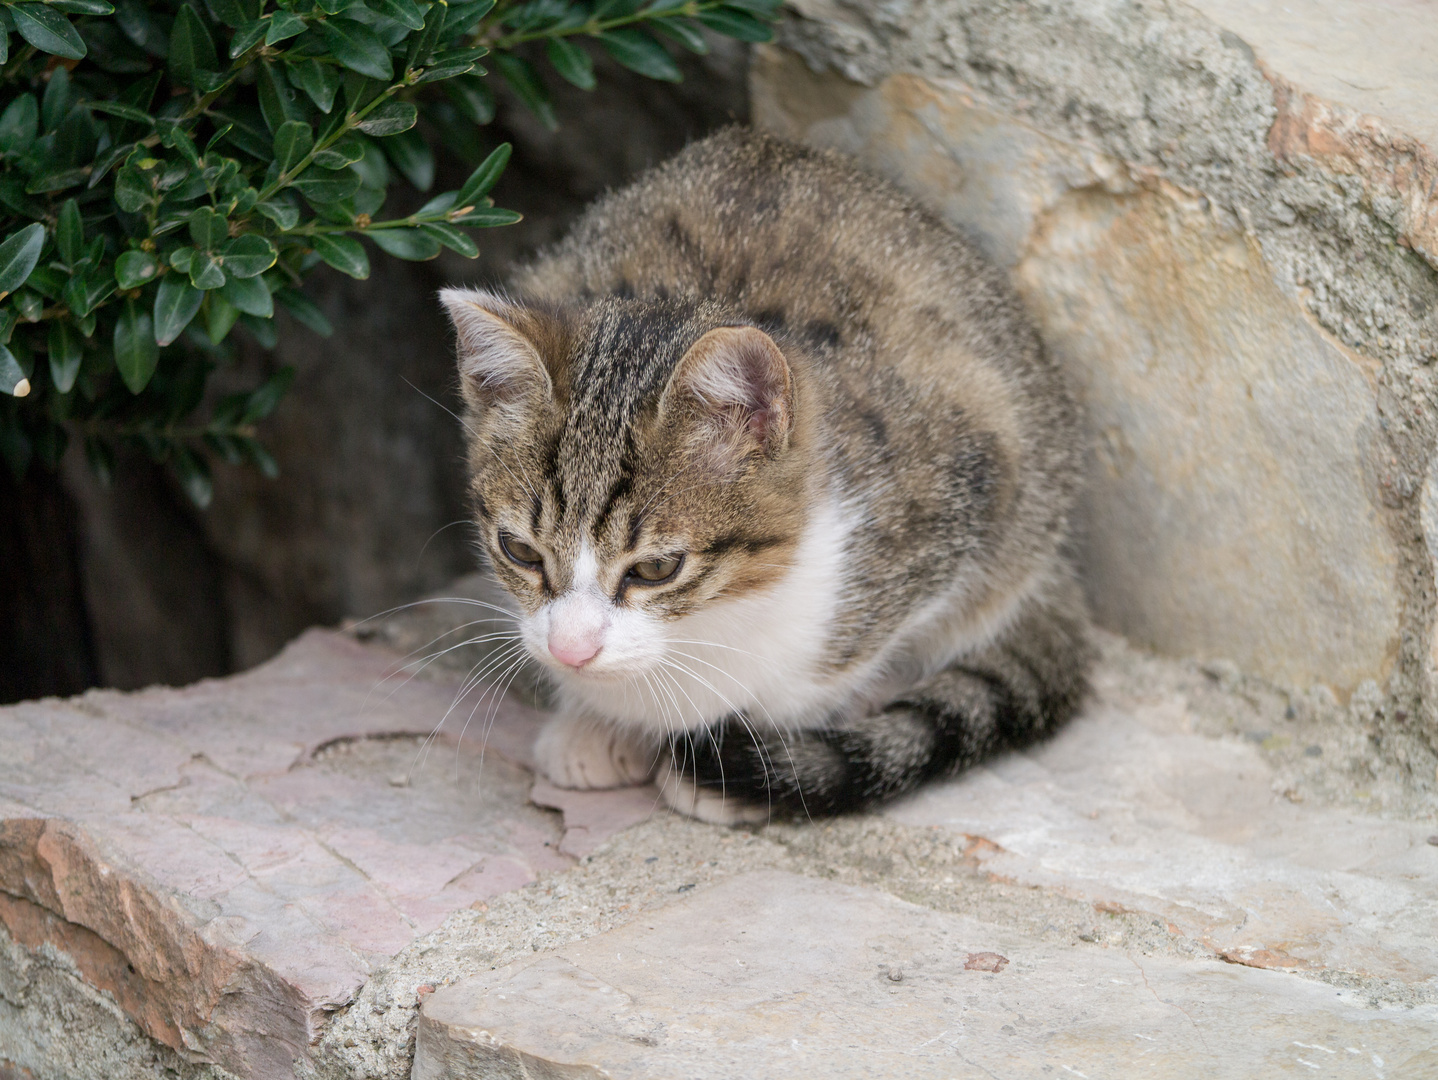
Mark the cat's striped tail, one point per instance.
(1012, 692)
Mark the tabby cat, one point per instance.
(780, 479)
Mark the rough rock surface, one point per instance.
(796, 977)
(1222, 216)
(270, 875)
(231, 862)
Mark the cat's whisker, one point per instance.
(475, 436)
(419, 665)
(477, 674)
(500, 685)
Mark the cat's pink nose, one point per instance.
(576, 652)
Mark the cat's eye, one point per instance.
(519, 551)
(653, 571)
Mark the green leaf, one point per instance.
(208, 229)
(247, 37)
(124, 112)
(736, 24)
(175, 305)
(177, 138)
(256, 452)
(249, 295)
(135, 268)
(283, 213)
(4, 45)
(191, 49)
(220, 315)
(341, 155)
(206, 272)
(47, 281)
(452, 238)
(422, 45)
(66, 352)
(358, 48)
(484, 177)
(390, 119)
(292, 142)
(278, 100)
(305, 311)
(56, 181)
(405, 12)
(524, 80)
(12, 375)
(343, 253)
(765, 9)
(682, 31)
(320, 81)
(284, 25)
(83, 7)
(235, 13)
(438, 205)
(28, 305)
(412, 244)
(572, 62)
(47, 30)
(488, 217)
(413, 157)
(329, 187)
(262, 402)
(70, 233)
(247, 256)
(194, 475)
(136, 353)
(464, 16)
(641, 53)
(263, 330)
(55, 105)
(19, 124)
(18, 256)
(181, 258)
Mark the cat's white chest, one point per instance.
(764, 653)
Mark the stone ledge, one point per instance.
(262, 877)
(797, 977)
(231, 862)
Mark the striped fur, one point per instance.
(781, 369)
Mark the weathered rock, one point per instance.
(1222, 217)
(1132, 809)
(230, 862)
(796, 977)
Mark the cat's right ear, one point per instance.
(499, 366)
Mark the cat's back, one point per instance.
(905, 321)
(787, 233)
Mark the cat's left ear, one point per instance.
(500, 367)
(737, 383)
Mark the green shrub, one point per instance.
(171, 170)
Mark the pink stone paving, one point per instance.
(233, 859)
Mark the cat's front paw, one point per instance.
(708, 804)
(576, 753)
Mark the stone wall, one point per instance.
(1224, 218)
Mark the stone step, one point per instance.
(777, 975)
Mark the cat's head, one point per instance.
(633, 463)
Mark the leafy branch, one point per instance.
(172, 171)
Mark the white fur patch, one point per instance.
(762, 653)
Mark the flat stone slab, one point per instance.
(777, 975)
(1134, 810)
(232, 861)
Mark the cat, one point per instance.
(780, 478)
